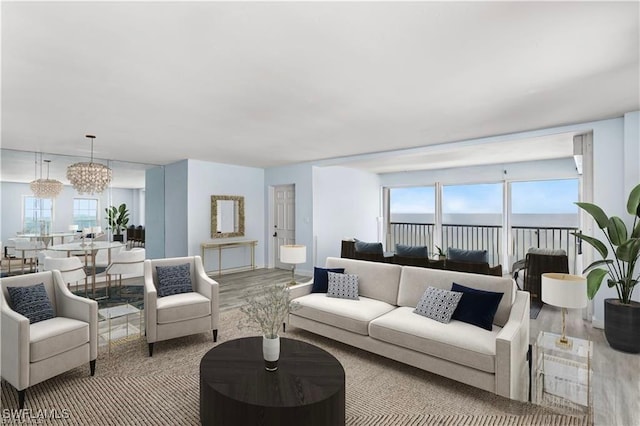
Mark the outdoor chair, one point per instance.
(538, 264)
(178, 302)
(48, 341)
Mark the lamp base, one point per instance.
(564, 343)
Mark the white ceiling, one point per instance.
(266, 84)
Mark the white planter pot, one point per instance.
(271, 352)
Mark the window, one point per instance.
(37, 215)
(472, 218)
(545, 203)
(412, 213)
(85, 212)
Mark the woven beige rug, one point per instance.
(130, 388)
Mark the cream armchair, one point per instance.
(181, 314)
(33, 353)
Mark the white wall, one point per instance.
(206, 179)
(346, 204)
(13, 193)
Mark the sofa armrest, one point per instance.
(15, 346)
(512, 344)
(300, 290)
(209, 288)
(69, 305)
(150, 304)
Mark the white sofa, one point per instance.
(382, 321)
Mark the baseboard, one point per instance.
(597, 323)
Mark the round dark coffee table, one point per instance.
(306, 389)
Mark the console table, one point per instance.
(227, 245)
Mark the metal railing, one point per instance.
(487, 237)
(411, 234)
(474, 237)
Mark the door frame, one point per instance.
(271, 249)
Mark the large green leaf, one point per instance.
(596, 213)
(628, 251)
(633, 204)
(596, 264)
(636, 231)
(594, 279)
(617, 231)
(596, 243)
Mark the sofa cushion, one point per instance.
(376, 280)
(321, 279)
(457, 341)
(342, 286)
(347, 314)
(414, 282)
(56, 335)
(32, 302)
(467, 255)
(477, 307)
(174, 279)
(364, 247)
(182, 307)
(412, 251)
(438, 304)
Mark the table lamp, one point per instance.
(293, 254)
(567, 292)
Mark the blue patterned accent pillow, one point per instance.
(32, 302)
(438, 304)
(174, 279)
(342, 286)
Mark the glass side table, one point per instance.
(563, 374)
(118, 327)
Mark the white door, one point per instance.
(284, 215)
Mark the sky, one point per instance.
(539, 197)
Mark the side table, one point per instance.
(563, 374)
(120, 331)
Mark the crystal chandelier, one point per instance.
(45, 188)
(89, 178)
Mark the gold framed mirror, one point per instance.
(227, 216)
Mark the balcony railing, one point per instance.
(411, 234)
(474, 237)
(487, 237)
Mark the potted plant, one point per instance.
(621, 315)
(117, 218)
(266, 312)
(441, 255)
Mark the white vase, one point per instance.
(271, 352)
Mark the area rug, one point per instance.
(131, 388)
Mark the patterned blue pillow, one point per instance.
(174, 279)
(342, 286)
(32, 302)
(438, 304)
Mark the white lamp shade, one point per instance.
(293, 254)
(564, 290)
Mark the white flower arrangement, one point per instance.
(266, 311)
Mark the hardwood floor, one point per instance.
(616, 375)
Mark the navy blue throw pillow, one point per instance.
(460, 255)
(364, 247)
(31, 302)
(477, 307)
(174, 279)
(321, 279)
(412, 251)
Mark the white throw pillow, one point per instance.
(342, 286)
(438, 304)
